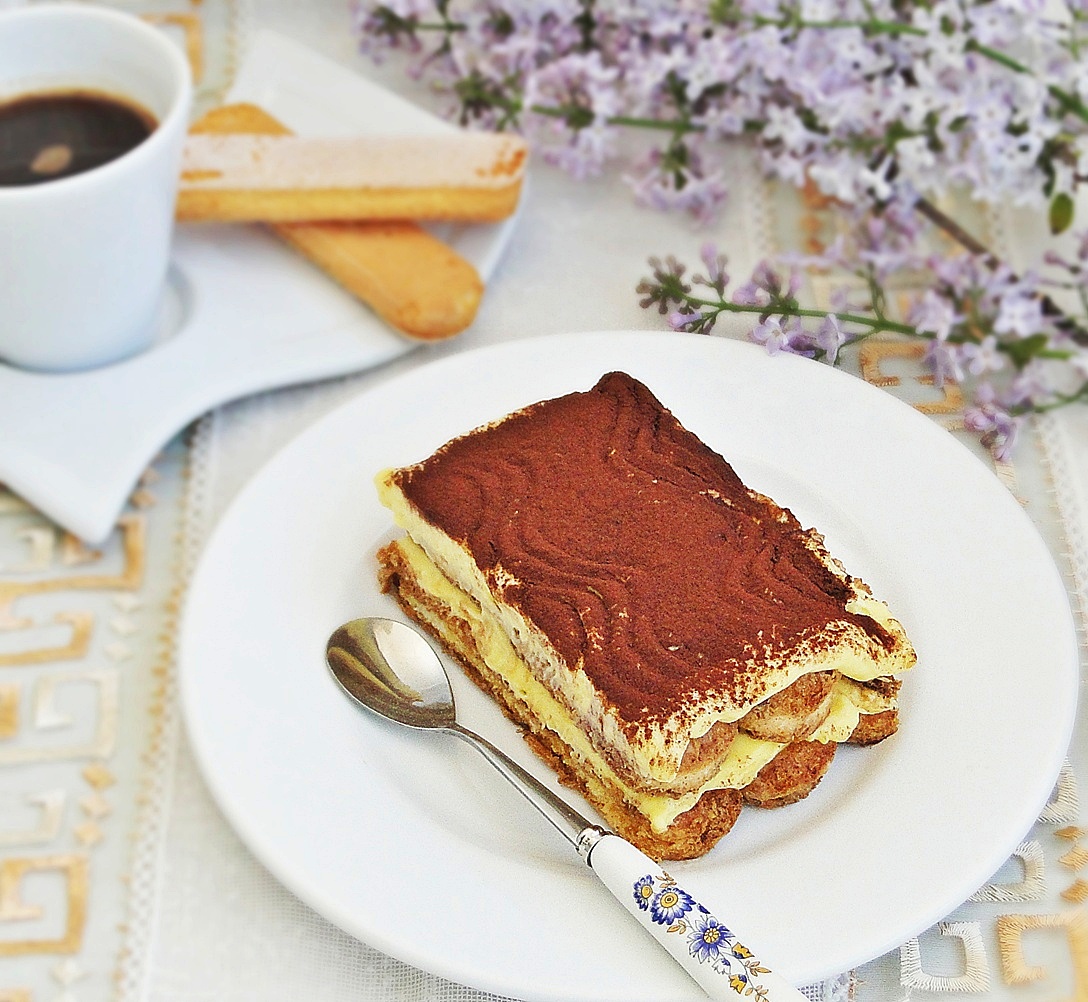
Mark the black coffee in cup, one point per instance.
(47, 136)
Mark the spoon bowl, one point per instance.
(391, 669)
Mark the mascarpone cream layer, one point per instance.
(745, 757)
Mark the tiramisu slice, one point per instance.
(671, 641)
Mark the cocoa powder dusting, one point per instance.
(634, 547)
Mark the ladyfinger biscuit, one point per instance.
(408, 277)
(456, 176)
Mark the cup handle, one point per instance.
(707, 950)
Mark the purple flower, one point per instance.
(714, 263)
(767, 277)
(988, 417)
(1032, 386)
(830, 337)
(1020, 313)
(945, 362)
(389, 26)
(582, 89)
(784, 125)
(750, 294)
(778, 333)
(839, 175)
(664, 186)
(993, 26)
(771, 335)
(934, 313)
(982, 357)
(681, 321)
(585, 152)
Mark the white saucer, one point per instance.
(241, 313)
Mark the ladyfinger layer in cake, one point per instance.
(673, 642)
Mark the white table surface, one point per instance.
(122, 879)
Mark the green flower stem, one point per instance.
(875, 323)
(676, 125)
(449, 26)
(1059, 400)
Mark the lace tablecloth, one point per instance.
(119, 879)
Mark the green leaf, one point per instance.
(723, 11)
(1062, 210)
(1023, 351)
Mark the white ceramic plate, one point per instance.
(409, 841)
(242, 313)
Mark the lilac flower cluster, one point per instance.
(864, 97)
(881, 104)
(985, 328)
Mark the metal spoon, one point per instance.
(391, 669)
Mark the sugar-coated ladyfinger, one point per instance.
(453, 176)
(408, 277)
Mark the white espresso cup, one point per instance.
(83, 258)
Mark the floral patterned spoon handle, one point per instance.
(391, 669)
(721, 965)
